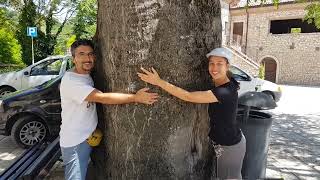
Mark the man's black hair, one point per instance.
(80, 42)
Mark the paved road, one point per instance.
(295, 138)
(9, 152)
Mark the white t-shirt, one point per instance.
(79, 117)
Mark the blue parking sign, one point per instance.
(32, 31)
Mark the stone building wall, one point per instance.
(297, 55)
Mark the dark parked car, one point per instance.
(32, 115)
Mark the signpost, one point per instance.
(32, 31)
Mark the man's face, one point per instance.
(83, 59)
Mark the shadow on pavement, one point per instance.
(294, 146)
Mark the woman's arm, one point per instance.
(195, 97)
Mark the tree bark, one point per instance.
(168, 139)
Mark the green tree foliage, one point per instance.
(262, 71)
(50, 16)
(71, 40)
(50, 22)
(10, 50)
(11, 3)
(83, 25)
(86, 18)
(10, 68)
(5, 19)
(67, 32)
(313, 14)
(28, 18)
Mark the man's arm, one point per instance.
(142, 96)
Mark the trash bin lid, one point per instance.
(258, 100)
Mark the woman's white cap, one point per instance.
(221, 52)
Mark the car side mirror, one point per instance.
(26, 73)
(249, 78)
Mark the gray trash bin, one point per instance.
(255, 126)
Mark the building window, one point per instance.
(237, 32)
(292, 26)
(238, 28)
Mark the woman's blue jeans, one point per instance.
(75, 160)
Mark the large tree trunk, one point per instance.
(168, 139)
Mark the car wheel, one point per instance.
(270, 94)
(5, 90)
(28, 131)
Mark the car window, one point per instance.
(49, 83)
(50, 67)
(238, 74)
(69, 63)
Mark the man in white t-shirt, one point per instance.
(79, 116)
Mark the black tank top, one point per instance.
(224, 129)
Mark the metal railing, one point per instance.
(243, 56)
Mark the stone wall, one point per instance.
(297, 55)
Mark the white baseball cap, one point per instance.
(221, 52)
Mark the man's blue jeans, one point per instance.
(75, 160)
